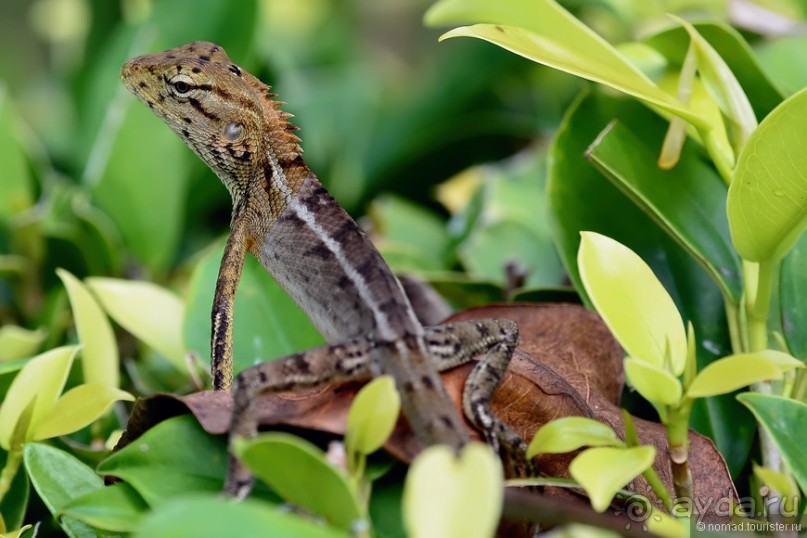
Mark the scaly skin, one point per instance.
(283, 216)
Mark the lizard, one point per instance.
(311, 246)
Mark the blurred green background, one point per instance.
(439, 149)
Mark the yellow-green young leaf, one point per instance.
(723, 87)
(783, 484)
(731, 373)
(570, 433)
(632, 301)
(453, 497)
(17, 533)
(767, 200)
(43, 378)
(18, 342)
(151, 313)
(372, 415)
(100, 351)
(652, 382)
(77, 408)
(544, 32)
(604, 471)
(784, 361)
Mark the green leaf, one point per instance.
(570, 433)
(16, 533)
(489, 249)
(214, 517)
(136, 193)
(453, 497)
(688, 201)
(734, 50)
(77, 408)
(14, 505)
(174, 457)
(792, 290)
(731, 373)
(151, 313)
(723, 87)
(404, 226)
(43, 378)
(58, 478)
(299, 472)
(582, 199)
(654, 383)
(18, 342)
(267, 322)
(604, 471)
(767, 202)
(372, 415)
(780, 60)
(100, 350)
(782, 418)
(15, 189)
(780, 482)
(544, 32)
(632, 302)
(117, 508)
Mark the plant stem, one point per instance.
(678, 437)
(13, 461)
(733, 320)
(757, 309)
(758, 306)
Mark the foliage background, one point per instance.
(91, 182)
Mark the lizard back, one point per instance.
(284, 217)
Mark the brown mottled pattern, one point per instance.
(284, 217)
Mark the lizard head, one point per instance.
(219, 110)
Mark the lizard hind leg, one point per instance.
(494, 341)
(326, 364)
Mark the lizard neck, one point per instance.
(279, 169)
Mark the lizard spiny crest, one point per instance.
(226, 115)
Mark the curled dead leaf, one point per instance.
(567, 364)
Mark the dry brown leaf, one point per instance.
(567, 364)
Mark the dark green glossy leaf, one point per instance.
(214, 517)
(792, 291)
(117, 508)
(582, 199)
(782, 418)
(175, 456)
(299, 472)
(268, 324)
(688, 202)
(15, 501)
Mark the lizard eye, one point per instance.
(233, 131)
(182, 87)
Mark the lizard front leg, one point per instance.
(221, 340)
(322, 365)
(495, 340)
